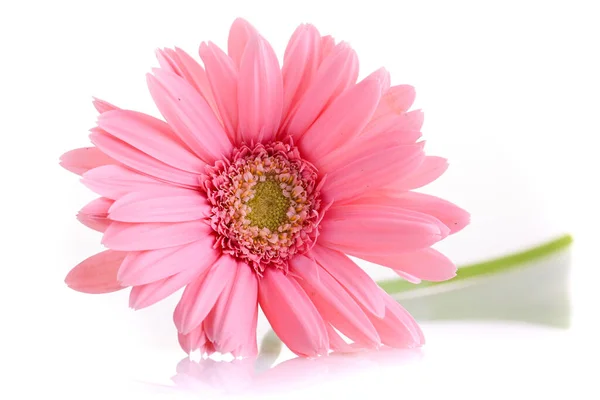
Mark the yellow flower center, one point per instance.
(266, 204)
(268, 207)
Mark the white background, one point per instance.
(510, 91)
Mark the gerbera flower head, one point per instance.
(255, 188)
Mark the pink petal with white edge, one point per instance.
(114, 181)
(333, 302)
(182, 64)
(327, 46)
(337, 72)
(336, 343)
(212, 325)
(139, 161)
(223, 78)
(396, 100)
(344, 119)
(143, 267)
(292, 315)
(233, 319)
(370, 172)
(97, 274)
(356, 149)
(250, 347)
(155, 235)
(366, 229)
(79, 161)
(94, 214)
(300, 63)
(454, 217)
(200, 296)
(426, 264)
(151, 136)
(151, 293)
(383, 76)
(260, 92)
(432, 168)
(174, 205)
(103, 106)
(407, 277)
(407, 126)
(398, 328)
(240, 33)
(194, 340)
(356, 281)
(189, 115)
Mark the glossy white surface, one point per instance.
(467, 359)
(510, 91)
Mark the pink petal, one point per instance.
(135, 237)
(182, 64)
(406, 126)
(343, 120)
(175, 205)
(143, 267)
(366, 229)
(260, 92)
(79, 161)
(223, 78)
(115, 181)
(151, 293)
(200, 296)
(249, 348)
(196, 339)
(356, 281)
(327, 46)
(139, 161)
(94, 214)
(454, 217)
(333, 302)
(337, 72)
(336, 343)
(356, 149)
(371, 172)
(189, 115)
(233, 319)
(427, 264)
(97, 274)
(300, 63)
(207, 348)
(407, 277)
(292, 315)
(240, 33)
(103, 106)
(392, 126)
(398, 328)
(383, 76)
(396, 100)
(151, 136)
(431, 169)
(214, 319)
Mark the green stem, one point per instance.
(490, 267)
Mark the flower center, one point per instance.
(265, 204)
(268, 207)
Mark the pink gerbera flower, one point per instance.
(255, 189)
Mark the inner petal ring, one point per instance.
(265, 204)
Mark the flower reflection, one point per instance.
(254, 376)
(211, 375)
